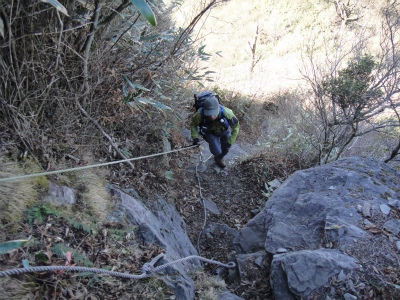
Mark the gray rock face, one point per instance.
(296, 215)
(251, 238)
(322, 207)
(297, 274)
(162, 225)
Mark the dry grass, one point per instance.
(16, 195)
(208, 287)
(96, 196)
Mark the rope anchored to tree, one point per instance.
(147, 270)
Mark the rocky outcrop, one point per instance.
(162, 225)
(340, 207)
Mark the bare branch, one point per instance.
(103, 132)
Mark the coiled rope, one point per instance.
(93, 166)
(147, 270)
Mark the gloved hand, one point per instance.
(196, 141)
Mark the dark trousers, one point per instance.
(218, 142)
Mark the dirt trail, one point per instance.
(235, 194)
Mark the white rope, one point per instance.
(202, 199)
(147, 270)
(92, 166)
(204, 205)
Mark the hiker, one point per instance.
(216, 123)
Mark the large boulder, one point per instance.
(162, 225)
(342, 205)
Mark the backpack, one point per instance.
(199, 103)
(199, 100)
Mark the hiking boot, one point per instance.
(219, 162)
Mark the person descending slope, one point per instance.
(216, 123)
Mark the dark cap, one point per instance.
(211, 106)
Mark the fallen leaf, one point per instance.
(375, 230)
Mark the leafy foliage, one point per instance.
(351, 88)
(40, 212)
(58, 6)
(10, 246)
(79, 225)
(145, 10)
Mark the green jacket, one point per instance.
(216, 126)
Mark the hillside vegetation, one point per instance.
(334, 62)
(86, 82)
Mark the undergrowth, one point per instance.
(58, 234)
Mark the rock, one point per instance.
(342, 276)
(348, 296)
(392, 226)
(255, 212)
(211, 206)
(384, 209)
(342, 233)
(219, 230)
(251, 266)
(274, 183)
(131, 192)
(217, 169)
(259, 261)
(249, 148)
(303, 215)
(350, 284)
(366, 210)
(186, 133)
(398, 245)
(251, 238)
(282, 250)
(368, 224)
(393, 202)
(296, 215)
(60, 195)
(296, 275)
(162, 225)
(236, 152)
(228, 296)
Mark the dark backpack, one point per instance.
(199, 100)
(199, 103)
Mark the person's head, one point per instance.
(211, 107)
